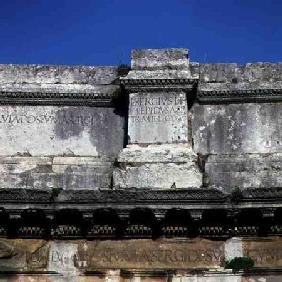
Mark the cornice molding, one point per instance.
(243, 95)
(158, 84)
(121, 203)
(158, 81)
(55, 98)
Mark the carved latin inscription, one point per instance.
(158, 118)
(155, 254)
(52, 130)
(46, 118)
(157, 109)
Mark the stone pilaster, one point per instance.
(158, 155)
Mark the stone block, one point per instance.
(244, 171)
(157, 167)
(150, 59)
(237, 128)
(266, 252)
(59, 131)
(165, 153)
(157, 118)
(58, 172)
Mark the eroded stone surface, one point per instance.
(51, 74)
(52, 130)
(80, 255)
(266, 252)
(55, 172)
(157, 167)
(233, 248)
(237, 128)
(80, 260)
(244, 170)
(158, 176)
(180, 153)
(242, 143)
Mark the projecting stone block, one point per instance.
(151, 59)
(158, 176)
(157, 167)
(159, 82)
(158, 118)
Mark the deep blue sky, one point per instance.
(102, 32)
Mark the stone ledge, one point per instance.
(165, 153)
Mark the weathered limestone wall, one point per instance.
(60, 129)
(50, 136)
(237, 124)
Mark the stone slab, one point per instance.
(237, 128)
(111, 276)
(135, 260)
(51, 130)
(58, 172)
(158, 176)
(80, 256)
(56, 75)
(266, 252)
(157, 118)
(165, 153)
(150, 59)
(159, 254)
(244, 170)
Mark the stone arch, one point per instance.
(177, 223)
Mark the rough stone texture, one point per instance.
(78, 256)
(244, 170)
(158, 176)
(55, 172)
(160, 64)
(266, 252)
(143, 260)
(159, 59)
(239, 136)
(113, 277)
(207, 278)
(232, 77)
(51, 131)
(54, 75)
(58, 146)
(157, 166)
(242, 143)
(166, 153)
(157, 118)
(233, 248)
(237, 128)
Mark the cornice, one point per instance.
(158, 84)
(15, 203)
(55, 98)
(158, 81)
(239, 95)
